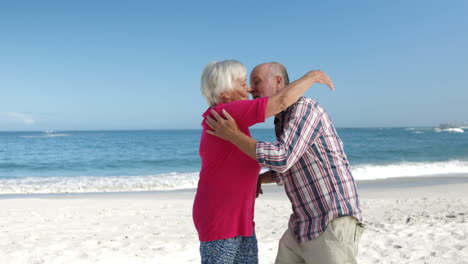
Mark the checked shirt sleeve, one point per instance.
(303, 125)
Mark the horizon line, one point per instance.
(172, 129)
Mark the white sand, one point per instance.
(404, 225)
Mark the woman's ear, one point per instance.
(225, 98)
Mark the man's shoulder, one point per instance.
(306, 102)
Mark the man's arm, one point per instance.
(227, 129)
(303, 128)
(266, 177)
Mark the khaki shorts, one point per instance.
(337, 245)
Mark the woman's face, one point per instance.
(240, 90)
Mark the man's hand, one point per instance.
(265, 177)
(227, 129)
(224, 128)
(259, 188)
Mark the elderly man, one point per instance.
(308, 158)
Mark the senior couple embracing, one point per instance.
(308, 159)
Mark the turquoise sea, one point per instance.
(113, 161)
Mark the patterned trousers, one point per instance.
(234, 250)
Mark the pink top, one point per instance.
(225, 199)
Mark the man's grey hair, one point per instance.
(277, 68)
(217, 77)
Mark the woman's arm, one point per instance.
(292, 92)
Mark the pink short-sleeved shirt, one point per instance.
(225, 199)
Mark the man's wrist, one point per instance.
(237, 137)
(267, 178)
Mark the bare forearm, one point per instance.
(288, 95)
(245, 143)
(266, 177)
(231, 133)
(291, 93)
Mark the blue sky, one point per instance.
(86, 65)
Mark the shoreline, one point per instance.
(363, 186)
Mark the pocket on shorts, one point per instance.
(334, 232)
(358, 232)
(357, 235)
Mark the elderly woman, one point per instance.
(223, 209)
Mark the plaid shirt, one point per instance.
(310, 161)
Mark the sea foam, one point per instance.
(177, 181)
(45, 185)
(451, 130)
(408, 169)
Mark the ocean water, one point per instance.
(114, 161)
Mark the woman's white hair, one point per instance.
(217, 78)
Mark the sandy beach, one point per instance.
(412, 220)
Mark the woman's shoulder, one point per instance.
(236, 106)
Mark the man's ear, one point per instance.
(279, 80)
(279, 83)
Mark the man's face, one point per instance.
(261, 82)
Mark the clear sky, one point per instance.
(86, 65)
